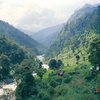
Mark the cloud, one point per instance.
(32, 15)
(1, 3)
(37, 19)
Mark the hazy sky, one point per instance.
(33, 15)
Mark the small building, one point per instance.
(60, 72)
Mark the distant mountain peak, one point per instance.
(47, 35)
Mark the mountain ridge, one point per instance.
(47, 35)
(20, 37)
(85, 22)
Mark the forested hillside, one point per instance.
(14, 61)
(82, 27)
(57, 83)
(10, 55)
(20, 37)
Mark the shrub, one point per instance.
(53, 63)
(67, 78)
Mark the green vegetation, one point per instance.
(53, 64)
(20, 37)
(94, 50)
(72, 78)
(4, 66)
(10, 54)
(83, 24)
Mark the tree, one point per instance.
(94, 56)
(5, 66)
(40, 72)
(53, 64)
(77, 58)
(96, 20)
(26, 88)
(17, 55)
(40, 64)
(59, 63)
(27, 65)
(14, 52)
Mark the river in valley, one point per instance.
(42, 59)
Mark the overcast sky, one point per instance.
(33, 15)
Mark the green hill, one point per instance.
(20, 37)
(10, 54)
(80, 30)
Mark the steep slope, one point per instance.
(46, 36)
(18, 36)
(82, 24)
(10, 54)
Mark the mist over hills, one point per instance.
(20, 37)
(83, 21)
(47, 35)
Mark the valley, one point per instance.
(57, 63)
